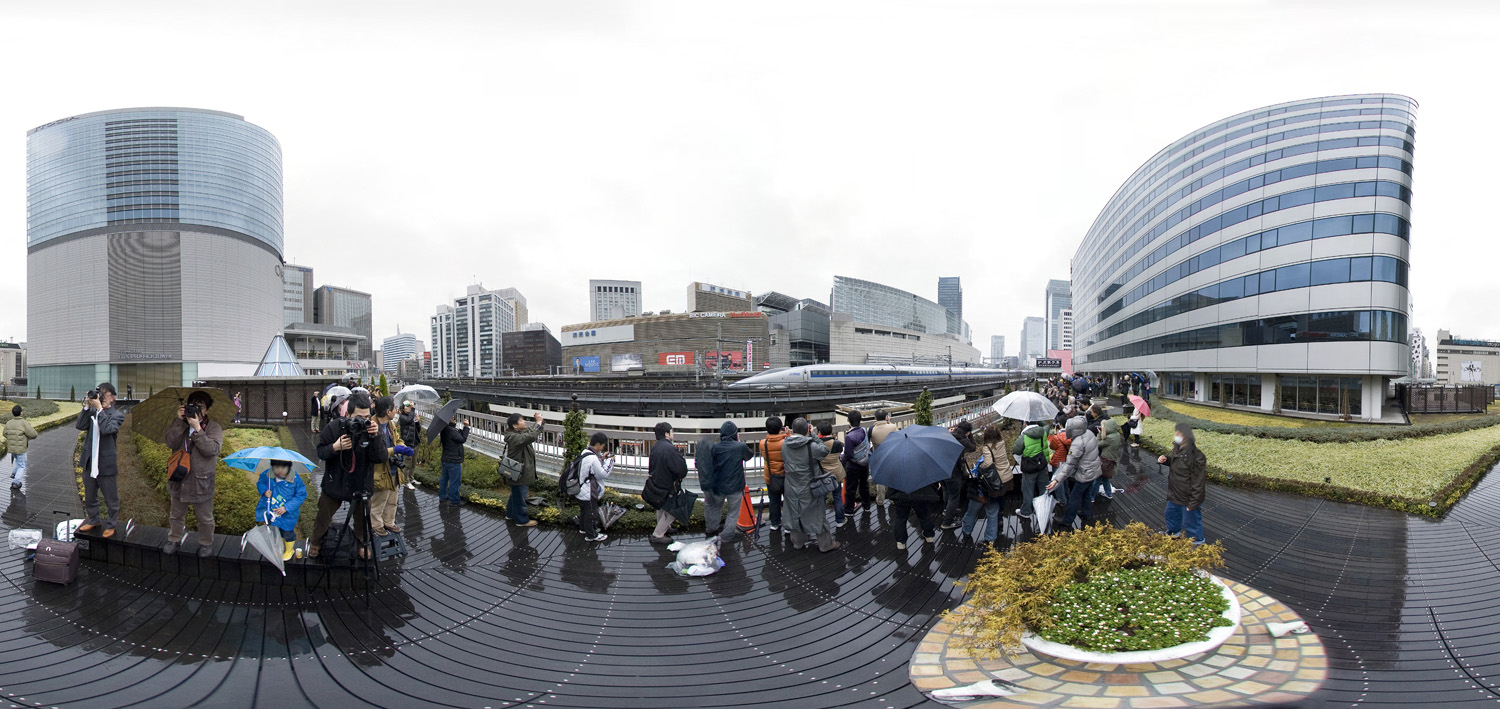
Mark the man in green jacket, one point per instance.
(519, 442)
(1111, 446)
(18, 434)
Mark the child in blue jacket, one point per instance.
(281, 498)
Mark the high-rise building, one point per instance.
(466, 336)
(709, 298)
(997, 348)
(879, 304)
(532, 351)
(1033, 339)
(297, 294)
(801, 325)
(951, 296)
(397, 349)
(13, 363)
(875, 323)
(517, 303)
(345, 307)
(1065, 329)
(1263, 253)
(154, 248)
(1059, 298)
(612, 300)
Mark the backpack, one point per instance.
(861, 454)
(569, 482)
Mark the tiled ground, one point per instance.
(483, 614)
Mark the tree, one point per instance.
(923, 408)
(39, 392)
(385, 389)
(575, 439)
(72, 394)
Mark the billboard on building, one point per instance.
(724, 360)
(599, 335)
(586, 364)
(674, 359)
(625, 362)
(1472, 371)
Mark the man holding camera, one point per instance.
(100, 421)
(349, 447)
(202, 439)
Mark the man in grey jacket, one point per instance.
(801, 455)
(100, 420)
(1083, 467)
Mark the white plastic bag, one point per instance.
(696, 558)
(25, 538)
(65, 529)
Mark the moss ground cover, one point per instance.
(1136, 609)
(1246, 418)
(240, 438)
(1420, 475)
(43, 413)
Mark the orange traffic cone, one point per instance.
(748, 519)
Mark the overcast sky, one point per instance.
(761, 146)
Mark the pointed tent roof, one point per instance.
(279, 361)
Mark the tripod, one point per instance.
(359, 513)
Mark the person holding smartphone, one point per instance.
(592, 471)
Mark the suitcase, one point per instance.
(56, 562)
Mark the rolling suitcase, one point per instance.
(56, 561)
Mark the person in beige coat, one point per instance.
(389, 477)
(18, 435)
(202, 439)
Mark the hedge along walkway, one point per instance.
(1236, 417)
(1418, 475)
(66, 412)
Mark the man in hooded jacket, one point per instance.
(801, 457)
(1082, 466)
(722, 479)
(1187, 483)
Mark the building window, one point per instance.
(1322, 395)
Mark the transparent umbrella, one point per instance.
(267, 540)
(419, 394)
(1025, 406)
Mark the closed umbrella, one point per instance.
(266, 539)
(1042, 506)
(915, 457)
(444, 415)
(152, 417)
(1025, 406)
(1140, 405)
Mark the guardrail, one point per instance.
(633, 448)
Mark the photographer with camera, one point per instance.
(202, 439)
(519, 442)
(349, 448)
(100, 421)
(389, 476)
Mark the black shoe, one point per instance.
(951, 525)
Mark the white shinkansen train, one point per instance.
(859, 373)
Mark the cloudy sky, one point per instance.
(761, 146)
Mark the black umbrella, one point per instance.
(444, 415)
(915, 457)
(1080, 384)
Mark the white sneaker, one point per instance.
(900, 545)
(411, 485)
(597, 537)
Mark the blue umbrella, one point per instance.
(250, 458)
(915, 457)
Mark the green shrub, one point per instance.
(234, 493)
(1339, 434)
(30, 408)
(922, 410)
(1136, 609)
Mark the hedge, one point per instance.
(235, 495)
(1420, 476)
(1348, 434)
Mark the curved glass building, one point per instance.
(1261, 260)
(154, 248)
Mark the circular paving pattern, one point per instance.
(1252, 668)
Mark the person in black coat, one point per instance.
(348, 471)
(665, 470)
(100, 421)
(919, 501)
(452, 438)
(954, 499)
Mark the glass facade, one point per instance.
(169, 165)
(876, 304)
(1298, 196)
(1321, 395)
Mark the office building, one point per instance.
(612, 300)
(331, 350)
(344, 307)
(1263, 253)
(875, 304)
(398, 349)
(669, 343)
(531, 351)
(802, 325)
(466, 335)
(1033, 339)
(997, 348)
(13, 364)
(1421, 357)
(1059, 298)
(1463, 360)
(173, 217)
(517, 303)
(853, 342)
(709, 298)
(1065, 329)
(297, 295)
(951, 296)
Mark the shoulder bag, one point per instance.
(823, 482)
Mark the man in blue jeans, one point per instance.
(452, 437)
(520, 440)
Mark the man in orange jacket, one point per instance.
(770, 453)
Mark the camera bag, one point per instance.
(179, 465)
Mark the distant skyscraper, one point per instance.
(612, 300)
(997, 348)
(297, 294)
(397, 349)
(1065, 330)
(517, 302)
(345, 307)
(1059, 298)
(1033, 339)
(951, 296)
(466, 336)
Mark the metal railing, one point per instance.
(633, 448)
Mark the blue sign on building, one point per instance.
(586, 364)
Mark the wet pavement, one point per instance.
(481, 614)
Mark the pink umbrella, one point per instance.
(1140, 405)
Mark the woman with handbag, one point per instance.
(806, 486)
(989, 481)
